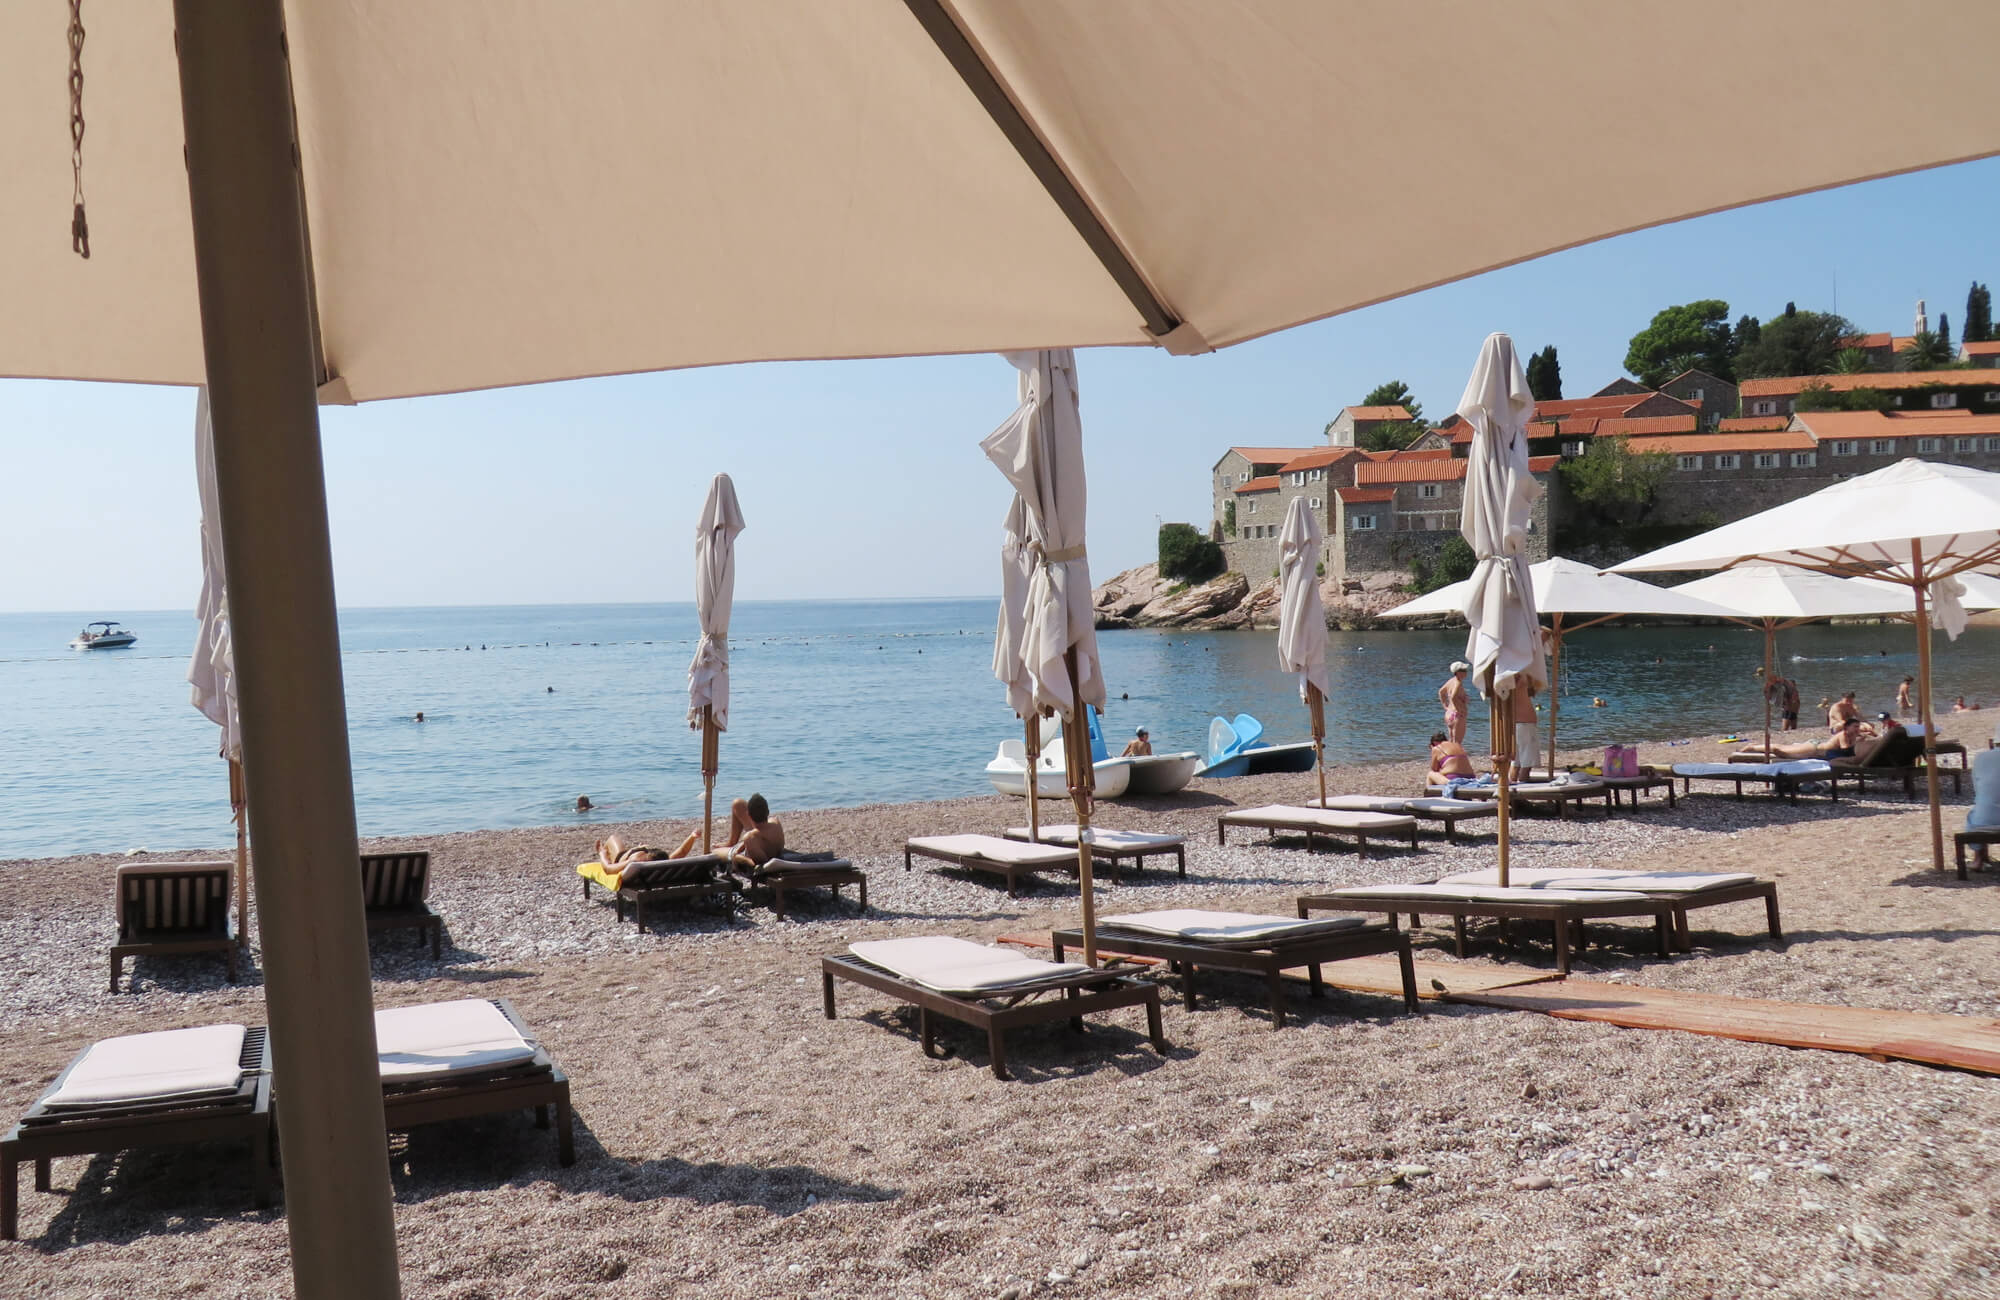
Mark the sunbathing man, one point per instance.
(1843, 709)
(755, 836)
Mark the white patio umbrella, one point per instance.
(1017, 568)
(1777, 598)
(1569, 593)
(1302, 621)
(1040, 450)
(1917, 524)
(1504, 646)
(212, 670)
(714, 594)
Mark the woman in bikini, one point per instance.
(754, 837)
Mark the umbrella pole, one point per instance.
(239, 805)
(1316, 708)
(1501, 722)
(1555, 686)
(710, 756)
(1921, 586)
(1770, 654)
(1082, 781)
(1032, 737)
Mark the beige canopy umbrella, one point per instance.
(1776, 598)
(1302, 621)
(212, 670)
(1916, 524)
(278, 197)
(714, 599)
(1017, 568)
(1583, 595)
(1040, 450)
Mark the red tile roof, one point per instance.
(1989, 348)
(1867, 341)
(1269, 483)
(1882, 424)
(1753, 424)
(1542, 464)
(1562, 409)
(1269, 455)
(1355, 496)
(1318, 458)
(1428, 470)
(1725, 442)
(1632, 426)
(1791, 385)
(1378, 412)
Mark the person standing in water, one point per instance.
(1452, 696)
(1905, 709)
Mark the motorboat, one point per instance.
(1009, 772)
(1236, 747)
(103, 636)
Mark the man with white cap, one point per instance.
(1452, 695)
(1139, 746)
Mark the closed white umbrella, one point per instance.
(1565, 590)
(1302, 620)
(714, 594)
(1917, 524)
(1505, 643)
(1017, 567)
(1776, 598)
(212, 671)
(1040, 450)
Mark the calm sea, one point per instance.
(834, 703)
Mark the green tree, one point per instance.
(1545, 376)
(1851, 361)
(1797, 343)
(1187, 556)
(1454, 563)
(1927, 350)
(1693, 335)
(1229, 517)
(1613, 483)
(1748, 330)
(1396, 393)
(1978, 314)
(1944, 334)
(1394, 435)
(1822, 397)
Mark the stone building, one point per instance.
(1238, 466)
(1913, 390)
(1354, 421)
(1407, 507)
(1716, 397)
(1263, 501)
(1983, 356)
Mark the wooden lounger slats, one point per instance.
(394, 887)
(536, 1084)
(1089, 992)
(1398, 827)
(171, 908)
(1566, 916)
(674, 880)
(44, 1134)
(1011, 872)
(1115, 855)
(781, 876)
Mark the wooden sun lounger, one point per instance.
(1910, 777)
(537, 1084)
(1083, 994)
(1114, 848)
(169, 908)
(1311, 822)
(43, 1134)
(676, 880)
(1566, 914)
(394, 887)
(1537, 793)
(783, 874)
(1271, 961)
(1779, 785)
(1682, 901)
(1013, 861)
(1448, 813)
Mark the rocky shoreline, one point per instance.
(1139, 597)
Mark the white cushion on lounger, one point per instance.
(960, 966)
(1756, 771)
(1650, 882)
(1226, 929)
(1066, 834)
(1364, 803)
(447, 1038)
(163, 1066)
(1332, 819)
(1572, 785)
(1460, 807)
(995, 849)
(1482, 893)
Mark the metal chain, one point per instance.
(79, 227)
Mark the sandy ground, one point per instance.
(733, 1142)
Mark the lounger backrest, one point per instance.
(674, 871)
(180, 898)
(1894, 748)
(394, 880)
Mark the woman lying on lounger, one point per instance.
(1839, 745)
(754, 837)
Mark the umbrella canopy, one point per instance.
(1301, 614)
(885, 177)
(714, 595)
(212, 670)
(1566, 587)
(1789, 596)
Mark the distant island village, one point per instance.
(1716, 421)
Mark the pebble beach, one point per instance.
(734, 1142)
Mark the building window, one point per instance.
(1729, 462)
(1992, 395)
(1843, 448)
(1361, 523)
(1882, 447)
(1962, 444)
(1764, 408)
(1764, 460)
(1804, 459)
(1927, 446)
(1942, 401)
(1315, 503)
(1572, 449)
(1993, 444)
(1700, 394)
(1253, 507)
(1687, 462)
(1428, 491)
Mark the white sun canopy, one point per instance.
(1784, 594)
(1567, 587)
(503, 194)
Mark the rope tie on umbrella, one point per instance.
(1064, 556)
(79, 226)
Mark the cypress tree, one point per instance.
(1978, 314)
(1944, 331)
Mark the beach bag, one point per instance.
(1621, 760)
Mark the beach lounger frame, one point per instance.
(169, 909)
(1247, 819)
(538, 1084)
(1561, 796)
(1186, 956)
(1088, 992)
(1012, 871)
(1971, 835)
(1115, 855)
(1909, 776)
(1567, 916)
(43, 1134)
(1636, 786)
(1780, 786)
(394, 887)
(672, 881)
(780, 876)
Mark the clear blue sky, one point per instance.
(865, 478)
